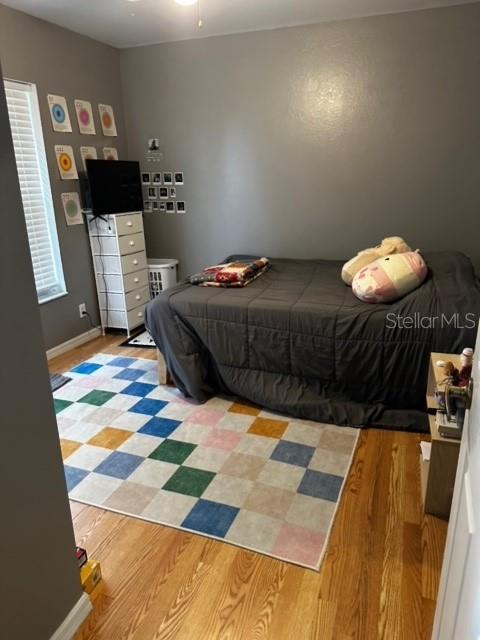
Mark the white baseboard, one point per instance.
(74, 342)
(75, 618)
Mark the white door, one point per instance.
(457, 616)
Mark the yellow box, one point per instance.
(90, 575)
(97, 592)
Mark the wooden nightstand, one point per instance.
(438, 474)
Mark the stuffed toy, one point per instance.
(390, 278)
(387, 247)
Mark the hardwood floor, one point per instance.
(379, 578)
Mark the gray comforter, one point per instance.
(297, 341)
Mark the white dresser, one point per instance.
(120, 264)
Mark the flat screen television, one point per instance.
(114, 186)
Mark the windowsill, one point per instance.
(55, 296)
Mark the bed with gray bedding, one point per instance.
(297, 341)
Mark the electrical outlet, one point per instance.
(82, 310)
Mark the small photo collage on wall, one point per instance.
(65, 154)
(161, 194)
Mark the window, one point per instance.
(24, 114)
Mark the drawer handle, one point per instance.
(136, 280)
(132, 243)
(129, 223)
(135, 261)
(137, 297)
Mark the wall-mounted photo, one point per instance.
(170, 207)
(181, 207)
(163, 192)
(178, 177)
(110, 153)
(153, 144)
(146, 178)
(173, 192)
(147, 205)
(152, 193)
(162, 207)
(156, 178)
(167, 177)
(155, 206)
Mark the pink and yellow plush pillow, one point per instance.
(390, 278)
(392, 244)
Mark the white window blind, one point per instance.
(24, 114)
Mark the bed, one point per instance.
(297, 341)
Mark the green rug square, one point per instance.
(60, 405)
(173, 451)
(97, 397)
(190, 482)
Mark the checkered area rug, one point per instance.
(223, 469)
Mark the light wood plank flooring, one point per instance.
(379, 578)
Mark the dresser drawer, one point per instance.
(131, 243)
(127, 224)
(137, 297)
(120, 264)
(121, 302)
(123, 319)
(111, 301)
(134, 262)
(121, 284)
(113, 246)
(124, 225)
(135, 316)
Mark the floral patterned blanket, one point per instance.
(231, 274)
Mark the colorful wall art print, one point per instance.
(88, 153)
(86, 124)
(72, 208)
(57, 106)
(110, 153)
(107, 119)
(66, 162)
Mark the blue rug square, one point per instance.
(293, 453)
(73, 476)
(130, 374)
(87, 368)
(140, 389)
(320, 485)
(159, 427)
(121, 362)
(148, 407)
(212, 518)
(119, 465)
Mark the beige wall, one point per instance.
(315, 141)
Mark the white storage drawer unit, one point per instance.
(120, 263)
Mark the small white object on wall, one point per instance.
(107, 120)
(110, 153)
(58, 108)
(152, 193)
(66, 162)
(85, 121)
(88, 153)
(72, 208)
